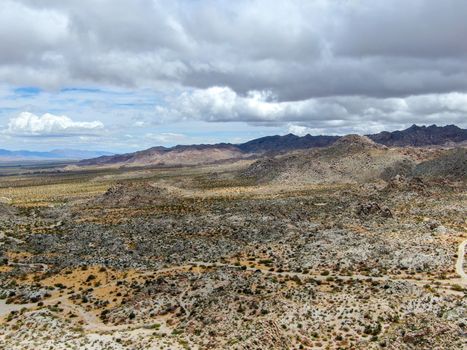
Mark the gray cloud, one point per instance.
(423, 29)
(321, 65)
(297, 49)
(27, 34)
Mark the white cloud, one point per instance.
(299, 130)
(28, 124)
(325, 114)
(172, 139)
(224, 104)
(166, 137)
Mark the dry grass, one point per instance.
(42, 195)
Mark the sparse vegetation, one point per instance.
(159, 257)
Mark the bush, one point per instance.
(90, 278)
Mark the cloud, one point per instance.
(172, 139)
(28, 124)
(221, 104)
(166, 137)
(26, 32)
(296, 49)
(334, 114)
(150, 67)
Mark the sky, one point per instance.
(124, 75)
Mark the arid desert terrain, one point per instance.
(351, 246)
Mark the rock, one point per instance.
(441, 230)
(134, 194)
(432, 224)
(373, 208)
(403, 183)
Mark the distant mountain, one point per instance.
(412, 136)
(79, 154)
(205, 154)
(58, 154)
(6, 155)
(421, 136)
(178, 155)
(270, 145)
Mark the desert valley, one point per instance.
(353, 242)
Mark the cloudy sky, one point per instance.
(122, 75)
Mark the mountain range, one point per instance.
(421, 136)
(414, 136)
(57, 154)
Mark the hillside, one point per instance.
(355, 158)
(178, 155)
(204, 154)
(352, 158)
(452, 165)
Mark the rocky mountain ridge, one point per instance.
(270, 145)
(421, 136)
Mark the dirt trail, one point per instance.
(446, 285)
(5, 308)
(43, 267)
(94, 324)
(460, 262)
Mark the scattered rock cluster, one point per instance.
(373, 208)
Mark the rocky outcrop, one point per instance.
(372, 209)
(131, 194)
(403, 183)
